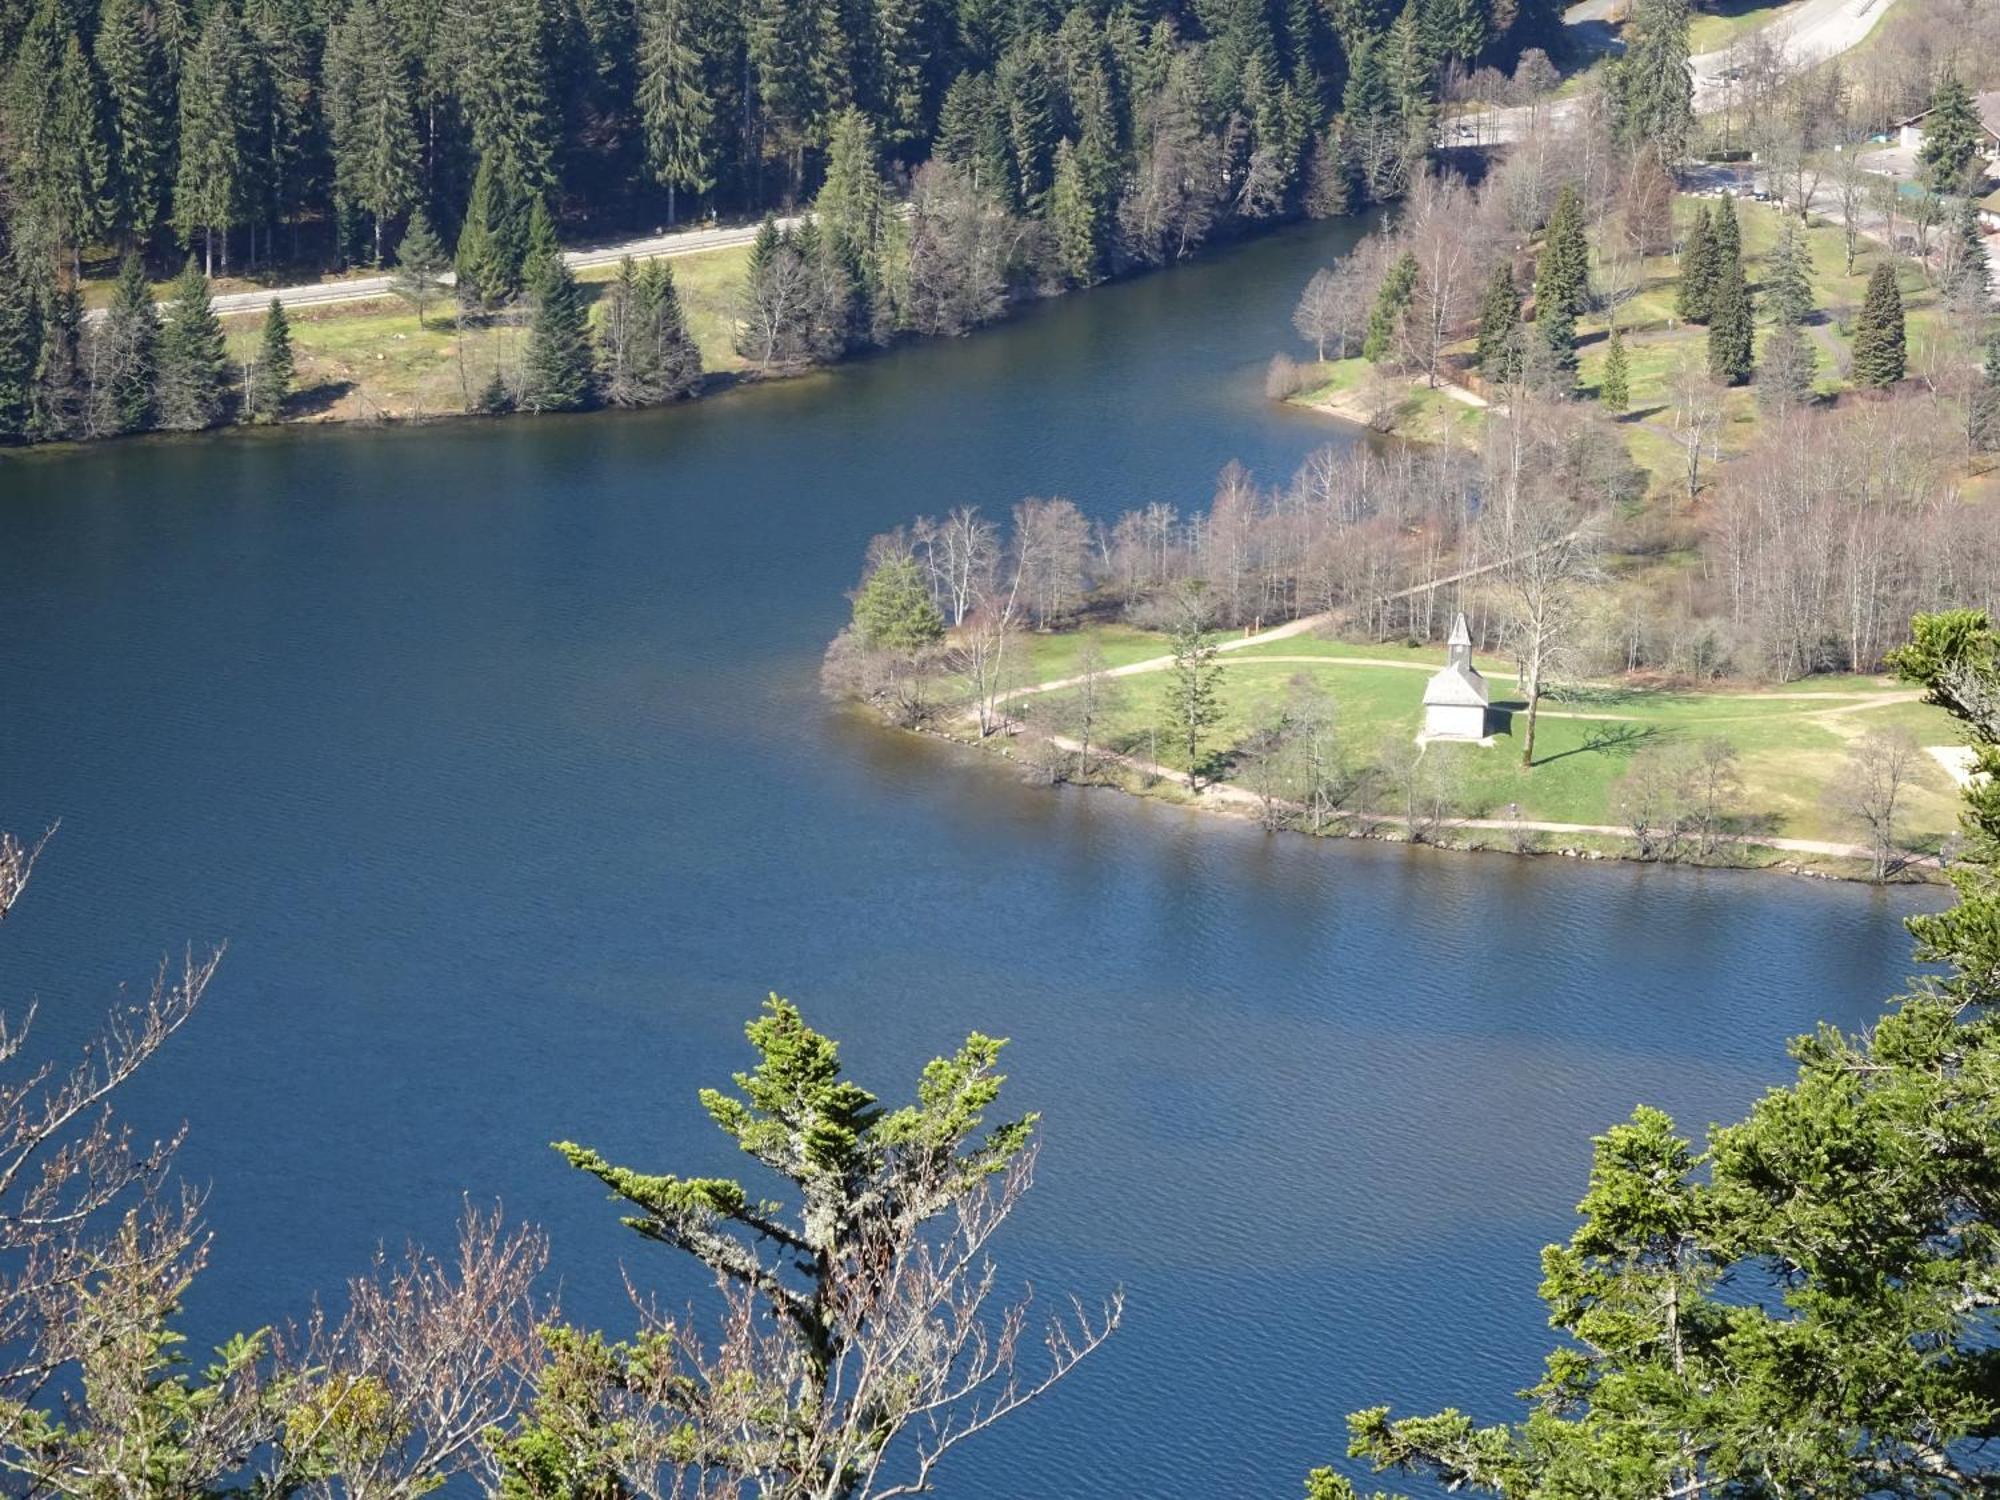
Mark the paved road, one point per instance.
(1808, 33)
(370, 288)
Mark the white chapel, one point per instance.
(1455, 699)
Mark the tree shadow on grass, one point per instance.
(1612, 739)
(317, 400)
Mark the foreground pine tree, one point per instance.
(1968, 279)
(270, 383)
(1697, 288)
(1788, 286)
(1731, 326)
(1385, 319)
(1615, 391)
(645, 353)
(1500, 326)
(125, 355)
(1879, 360)
(420, 264)
(20, 343)
(556, 372)
(193, 363)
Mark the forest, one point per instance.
(1035, 146)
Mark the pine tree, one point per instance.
(1076, 219)
(556, 371)
(1650, 88)
(505, 90)
(1385, 320)
(1785, 374)
(134, 71)
(674, 353)
(420, 264)
(490, 242)
(376, 153)
(1614, 391)
(1562, 274)
(644, 351)
(1985, 414)
(853, 203)
(193, 364)
(125, 355)
(1728, 233)
(1698, 267)
(1788, 287)
(80, 142)
(676, 102)
(542, 250)
(209, 188)
(1878, 336)
(1500, 326)
(1968, 282)
(1952, 138)
(59, 399)
(20, 342)
(904, 47)
(270, 384)
(1731, 326)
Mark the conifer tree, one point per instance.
(1500, 326)
(489, 243)
(541, 249)
(124, 353)
(80, 154)
(420, 264)
(1878, 335)
(58, 409)
(645, 353)
(1785, 373)
(193, 363)
(1731, 326)
(1984, 417)
(676, 102)
(20, 342)
(504, 87)
(556, 371)
(1788, 286)
(674, 352)
(376, 155)
(1562, 274)
(1968, 282)
(1614, 391)
(210, 187)
(270, 383)
(129, 58)
(853, 202)
(1385, 320)
(1952, 138)
(1728, 233)
(1650, 89)
(1698, 266)
(904, 47)
(1076, 218)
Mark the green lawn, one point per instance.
(1790, 747)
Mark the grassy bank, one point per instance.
(372, 360)
(1791, 742)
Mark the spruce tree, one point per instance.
(270, 383)
(1698, 265)
(1728, 233)
(541, 248)
(1968, 282)
(489, 270)
(1499, 346)
(1385, 320)
(1984, 423)
(130, 59)
(1731, 326)
(904, 50)
(211, 185)
(1650, 89)
(369, 105)
(853, 202)
(645, 354)
(675, 99)
(1952, 138)
(60, 390)
(1788, 286)
(1562, 274)
(1076, 219)
(556, 371)
(1878, 336)
(125, 355)
(420, 264)
(1615, 389)
(1785, 373)
(20, 339)
(85, 200)
(193, 363)
(674, 353)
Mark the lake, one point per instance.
(495, 751)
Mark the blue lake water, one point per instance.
(496, 753)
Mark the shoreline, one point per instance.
(1502, 836)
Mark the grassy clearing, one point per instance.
(371, 359)
(1791, 741)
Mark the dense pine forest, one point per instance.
(272, 137)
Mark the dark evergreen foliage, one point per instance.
(1698, 266)
(556, 372)
(1879, 359)
(124, 355)
(1500, 326)
(1391, 302)
(1731, 326)
(269, 385)
(1615, 390)
(193, 380)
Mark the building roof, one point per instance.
(1456, 687)
(1986, 106)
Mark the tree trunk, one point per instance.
(1534, 707)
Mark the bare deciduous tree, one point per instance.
(1870, 790)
